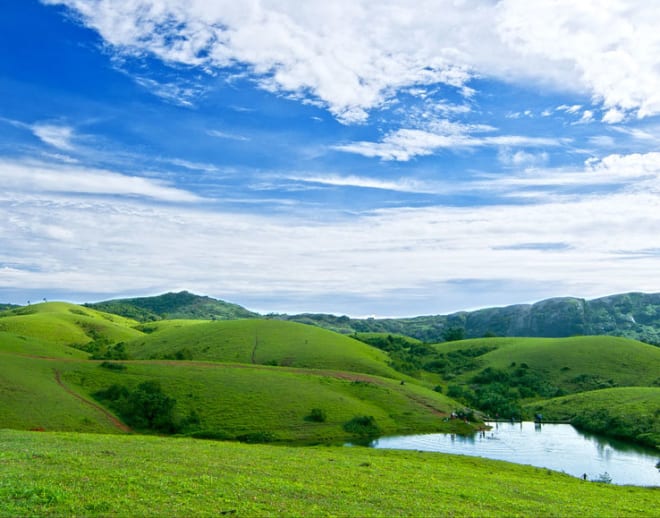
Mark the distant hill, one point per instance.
(182, 305)
(631, 315)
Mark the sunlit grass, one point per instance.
(96, 475)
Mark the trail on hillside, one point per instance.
(116, 422)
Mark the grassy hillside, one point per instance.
(31, 398)
(264, 342)
(629, 413)
(572, 364)
(226, 400)
(232, 400)
(21, 345)
(59, 474)
(66, 324)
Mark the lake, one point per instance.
(559, 447)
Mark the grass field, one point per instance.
(59, 474)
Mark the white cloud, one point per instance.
(225, 135)
(175, 93)
(399, 185)
(631, 173)
(54, 135)
(353, 55)
(29, 177)
(90, 247)
(405, 144)
(522, 159)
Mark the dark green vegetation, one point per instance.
(60, 474)
(180, 305)
(631, 315)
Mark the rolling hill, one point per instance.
(66, 324)
(264, 342)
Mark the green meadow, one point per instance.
(65, 474)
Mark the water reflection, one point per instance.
(555, 446)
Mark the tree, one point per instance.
(451, 334)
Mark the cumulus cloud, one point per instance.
(352, 55)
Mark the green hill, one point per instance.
(572, 364)
(182, 305)
(264, 342)
(628, 413)
(67, 324)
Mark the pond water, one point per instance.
(559, 447)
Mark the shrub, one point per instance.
(113, 366)
(257, 437)
(317, 415)
(143, 407)
(363, 426)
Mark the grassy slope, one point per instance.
(264, 342)
(30, 398)
(231, 399)
(24, 346)
(239, 399)
(626, 362)
(99, 475)
(624, 412)
(65, 324)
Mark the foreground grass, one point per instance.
(54, 474)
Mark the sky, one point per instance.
(358, 157)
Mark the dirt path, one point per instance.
(116, 422)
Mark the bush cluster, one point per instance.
(144, 407)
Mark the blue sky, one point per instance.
(357, 157)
